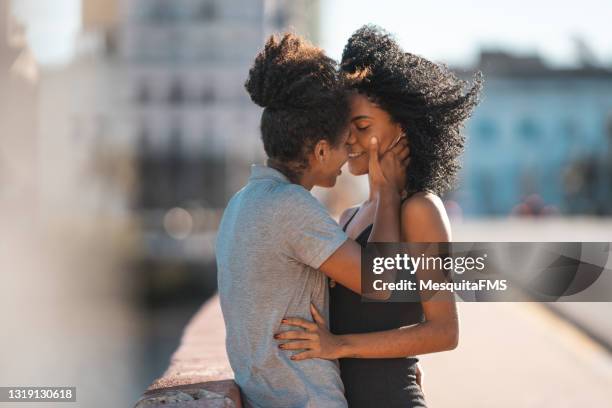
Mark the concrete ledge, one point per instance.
(199, 374)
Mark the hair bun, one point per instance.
(287, 71)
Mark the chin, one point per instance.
(327, 183)
(332, 182)
(357, 170)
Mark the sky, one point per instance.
(453, 31)
(450, 31)
(52, 26)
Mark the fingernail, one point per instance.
(284, 321)
(373, 140)
(293, 358)
(280, 346)
(276, 336)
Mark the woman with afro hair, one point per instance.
(396, 95)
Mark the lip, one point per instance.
(355, 155)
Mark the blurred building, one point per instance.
(18, 109)
(84, 125)
(540, 142)
(193, 126)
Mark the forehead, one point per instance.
(362, 106)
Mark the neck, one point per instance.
(305, 180)
(302, 178)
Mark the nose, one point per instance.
(352, 139)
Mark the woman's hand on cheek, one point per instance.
(316, 340)
(394, 163)
(381, 172)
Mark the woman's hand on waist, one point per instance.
(315, 339)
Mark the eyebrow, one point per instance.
(360, 117)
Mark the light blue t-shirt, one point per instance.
(273, 237)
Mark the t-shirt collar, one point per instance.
(259, 171)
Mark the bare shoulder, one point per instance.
(423, 203)
(424, 219)
(346, 214)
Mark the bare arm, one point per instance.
(424, 220)
(344, 266)
(428, 223)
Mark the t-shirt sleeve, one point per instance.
(312, 235)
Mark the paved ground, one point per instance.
(594, 318)
(518, 355)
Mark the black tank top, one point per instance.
(388, 382)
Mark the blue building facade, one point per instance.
(540, 142)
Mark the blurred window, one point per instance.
(161, 11)
(175, 145)
(528, 130)
(144, 93)
(177, 94)
(214, 177)
(486, 130)
(144, 140)
(144, 162)
(208, 96)
(569, 131)
(281, 18)
(208, 11)
(176, 165)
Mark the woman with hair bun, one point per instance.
(394, 96)
(276, 244)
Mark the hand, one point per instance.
(401, 153)
(388, 172)
(316, 340)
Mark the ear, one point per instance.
(321, 151)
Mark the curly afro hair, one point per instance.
(427, 100)
(303, 98)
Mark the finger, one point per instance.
(296, 345)
(294, 335)
(316, 315)
(374, 163)
(304, 355)
(398, 145)
(296, 321)
(397, 140)
(402, 154)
